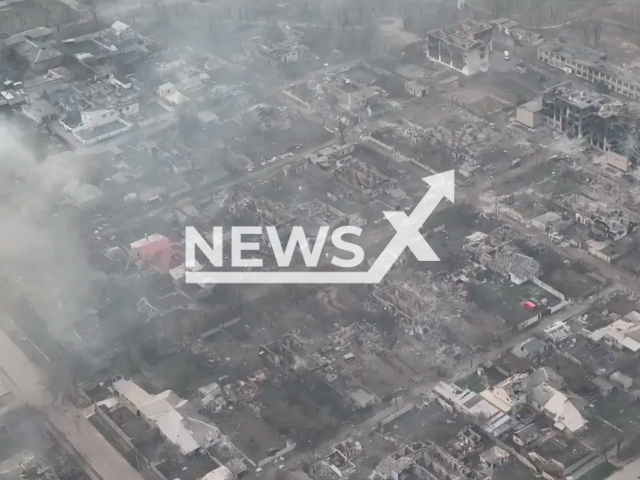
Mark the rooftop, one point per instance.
(34, 52)
(465, 34)
(591, 58)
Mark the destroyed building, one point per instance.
(401, 301)
(516, 31)
(322, 214)
(291, 355)
(601, 119)
(265, 213)
(363, 179)
(463, 46)
(591, 65)
(606, 222)
(502, 258)
(423, 460)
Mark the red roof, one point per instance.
(164, 254)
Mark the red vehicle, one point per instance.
(529, 305)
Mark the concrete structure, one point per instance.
(530, 114)
(590, 65)
(463, 46)
(416, 89)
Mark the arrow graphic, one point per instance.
(407, 236)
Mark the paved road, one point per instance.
(630, 472)
(28, 385)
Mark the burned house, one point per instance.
(400, 301)
(599, 118)
(517, 32)
(591, 65)
(463, 46)
(423, 460)
(605, 221)
(289, 354)
(265, 213)
(363, 179)
(322, 214)
(502, 258)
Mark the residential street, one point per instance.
(28, 386)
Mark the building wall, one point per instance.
(94, 121)
(586, 72)
(528, 118)
(466, 62)
(46, 65)
(100, 138)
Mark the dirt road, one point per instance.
(28, 387)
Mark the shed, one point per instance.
(622, 379)
(493, 457)
(604, 386)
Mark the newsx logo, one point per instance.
(283, 256)
(407, 236)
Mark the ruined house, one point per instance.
(502, 258)
(363, 179)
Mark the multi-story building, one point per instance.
(463, 46)
(600, 118)
(590, 65)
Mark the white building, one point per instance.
(99, 125)
(416, 89)
(491, 419)
(558, 332)
(174, 417)
(169, 92)
(463, 46)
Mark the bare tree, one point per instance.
(342, 127)
(91, 5)
(619, 441)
